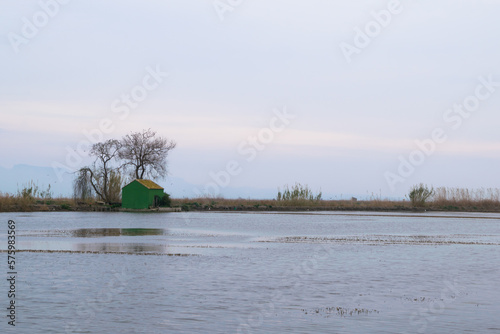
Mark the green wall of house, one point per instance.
(137, 196)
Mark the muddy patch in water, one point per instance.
(392, 239)
(428, 300)
(338, 311)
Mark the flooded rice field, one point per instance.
(254, 273)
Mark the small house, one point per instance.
(141, 194)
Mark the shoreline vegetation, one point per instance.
(297, 197)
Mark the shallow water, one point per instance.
(255, 273)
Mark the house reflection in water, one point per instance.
(116, 232)
(115, 246)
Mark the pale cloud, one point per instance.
(48, 117)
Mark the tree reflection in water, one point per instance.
(129, 248)
(116, 232)
(119, 247)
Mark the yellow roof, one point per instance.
(149, 184)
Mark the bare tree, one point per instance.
(145, 154)
(102, 176)
(142, 153)
(82, 189)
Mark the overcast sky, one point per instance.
(360, 81)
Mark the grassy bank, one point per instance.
(443, 200)
(11, 203)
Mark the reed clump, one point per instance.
(298, 195)
(14, 203)
(476, 199)
(31, 197)
(7, 201)
(419, 194)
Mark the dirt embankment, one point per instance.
(377, 206)
(228, 205)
